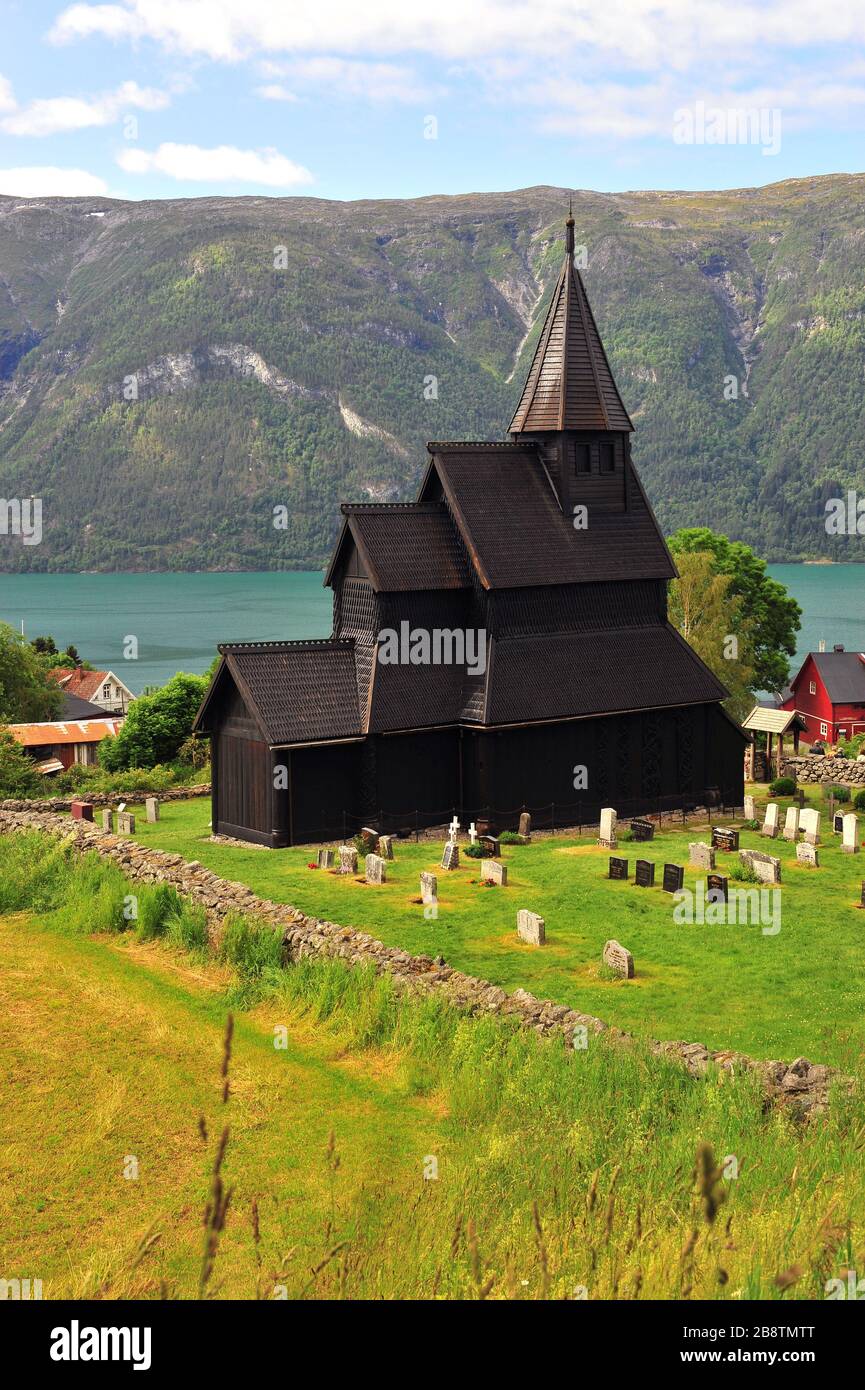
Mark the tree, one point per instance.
(27, 693)
(711, 620)
(18, 776)
(773, 617)
(155, 726)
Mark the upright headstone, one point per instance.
(701, 855)
(369, 839)
(791, 824)
(81, 810)
(376, 869)
(429, 887)
(724, 838)
(490, 843)
(618, 867)
(108, 821)
(770, 823)
(850, 833)
(494, 872)
(125, 823)
(325, 858)
(674, 878)
(619, 958)
(642, 830)
(717, 888)
(838, 823)
(451, 855)
(151, 810)
(525, 826)
(607, 835)
(809, 824)
(385, 846)
(750, 808)
(807, 855)
(644, 873)
(531, 927)
(347, 859)
(764, 866)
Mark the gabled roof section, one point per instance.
(773, 721)
(297, 692)
(404, 546)
(516, 534)
(570, 385)
(843, 674)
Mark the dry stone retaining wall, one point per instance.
(800, 1082)
(846, 771)
(63, 803)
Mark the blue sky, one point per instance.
(339, 98)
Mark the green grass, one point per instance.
(557, 1171)
(797, 993)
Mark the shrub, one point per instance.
(18, 776)
(510, 837)
(157, 725)
(750, 825)
(783, 786)
(478, 851)
(859, 801)
(841, 794)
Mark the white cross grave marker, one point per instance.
(454, 829)
(473, 834)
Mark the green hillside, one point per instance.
(282, 351)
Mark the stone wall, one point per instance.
(63, 803)
(800, 1083)
(845, 771)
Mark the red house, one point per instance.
(829, 694)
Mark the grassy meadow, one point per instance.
(389, 1149)
(799, 992)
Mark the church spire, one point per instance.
(570, 385)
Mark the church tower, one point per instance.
(570, 406)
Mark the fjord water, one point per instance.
(179, 618)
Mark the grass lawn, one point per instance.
(798, 992)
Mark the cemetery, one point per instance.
(766, 994)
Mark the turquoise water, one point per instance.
(179, 618)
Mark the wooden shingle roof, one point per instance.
(297, 692)
(405, 546)
(570, 385)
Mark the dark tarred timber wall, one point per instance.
(324, 790)
(242, 788)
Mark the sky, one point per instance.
(348, 99)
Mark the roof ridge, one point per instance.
(443, 446)
(296, 644)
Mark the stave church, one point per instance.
(499, 644)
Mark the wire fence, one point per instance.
(556, 817)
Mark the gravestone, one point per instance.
(765, 866)
(451, 855)
(429, 887)
(490, 844)
(607, 834)
(791, 824)
(619, 958)
(369, 839)
(809, 824)
(325, 858)
(454, 829)
(644, 874)
(770, 823)
(494, 872)
(125, 823)
(473, 832)
(725, 839)
(385, 846)
(642, 830)
(838, 823)
(807, 854)
(376, 869)
(717, 888)
(674, 878)
(531, 927)
(750, 808)
(850, 841)
(108, 821)
(701, 855)
(526, 826)
(82, 810)
(618, 867)
(800, 797)
(347, 859)
(151, 810)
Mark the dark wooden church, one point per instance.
(500, 643)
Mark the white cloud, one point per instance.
(274, 91)
(225, 164)
(346, 77)
(47, 116)
(48, 182)
(7, 100)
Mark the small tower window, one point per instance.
(606, 456)
(582, 459)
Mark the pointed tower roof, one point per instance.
(570, 385)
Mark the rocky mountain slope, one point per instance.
(196, 384)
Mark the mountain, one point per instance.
(196, 384)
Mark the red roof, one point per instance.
(75, 731)
(77, 682)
